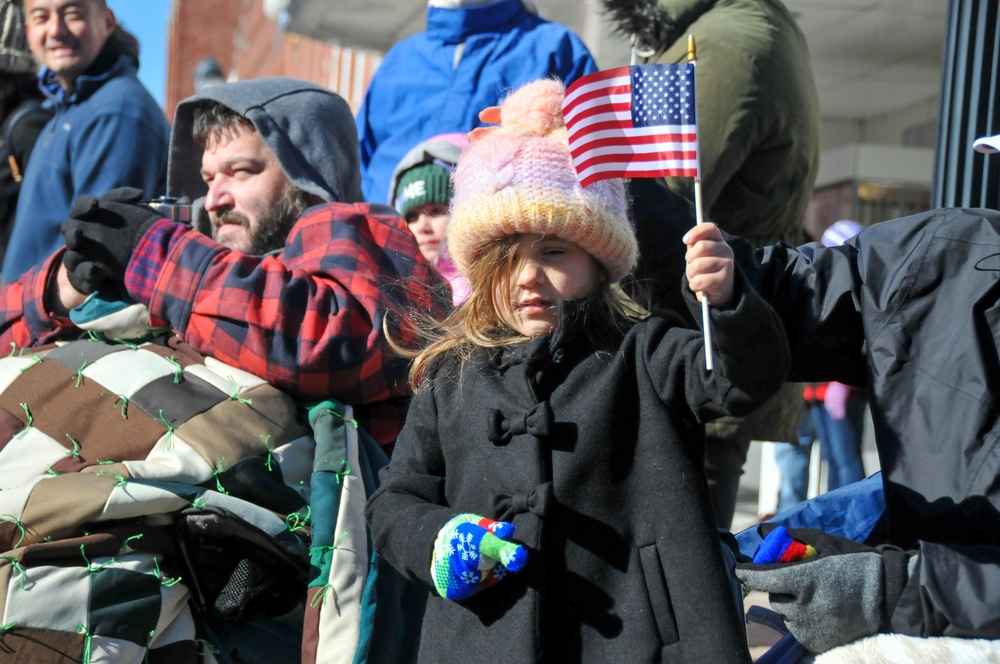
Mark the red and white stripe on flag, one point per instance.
(636, 121)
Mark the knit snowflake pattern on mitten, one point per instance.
(472, 553)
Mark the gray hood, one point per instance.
(309, 128)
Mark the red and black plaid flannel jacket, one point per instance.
(309, 320)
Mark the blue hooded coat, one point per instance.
(437, 81)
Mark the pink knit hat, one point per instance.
(519, 178)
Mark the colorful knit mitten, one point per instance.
(471, 553)
(780, 547)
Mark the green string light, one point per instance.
(92, 568)
(7, 518)
(218, 482)
(264, 442)
(235, 395)
(82, 629)
(159, 575)
(341, 416)
(330, 548)
(208, 648)
(127, 544)
(37, 361)
(179, 374)
(168, 443)
(344, 472)
(19, 568)
(122, 480)
(75, 453)
(79, 372)
(123, 400)
(31, 420)
(320, 597)
(296, 521)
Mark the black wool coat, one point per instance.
(596, 457)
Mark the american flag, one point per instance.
(636, 121)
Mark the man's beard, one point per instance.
(275, 221)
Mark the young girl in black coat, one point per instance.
(548, 482)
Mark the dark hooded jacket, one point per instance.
(596, 457)
(911, 308)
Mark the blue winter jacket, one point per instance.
(108, 132)
(419, 91)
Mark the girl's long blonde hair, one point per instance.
(477, 323)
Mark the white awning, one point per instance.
(362, 24)
(378, 24)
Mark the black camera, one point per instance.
(172, 208)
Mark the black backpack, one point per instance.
(18, 133)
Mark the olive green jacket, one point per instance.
(758, 114)
(758, 133)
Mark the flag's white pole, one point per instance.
(706, 319)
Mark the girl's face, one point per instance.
(546, 269)
(428, 223)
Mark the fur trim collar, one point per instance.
(654, 28)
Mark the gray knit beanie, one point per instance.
(15, 58)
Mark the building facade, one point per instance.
(246, 43)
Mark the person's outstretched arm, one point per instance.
(309, 320)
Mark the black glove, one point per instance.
(847, 591)
(101, 235)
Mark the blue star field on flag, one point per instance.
(662, 96)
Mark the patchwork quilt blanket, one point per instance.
(159, 505)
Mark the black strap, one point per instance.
(767, 617)
(24, 109)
